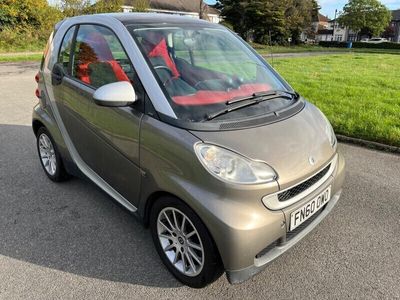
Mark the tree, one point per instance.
(23, 12)
(233, 12)
(104, 6)
(299, 16)
(72, 8)
(33, 18)
(202, 10)
(140, 5)
(267, 20)
(390, 32)
(365, 15)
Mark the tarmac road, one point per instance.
(70, 240)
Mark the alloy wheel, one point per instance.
(47, 154)
(180, 241)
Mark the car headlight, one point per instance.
(330, 133)
(232, 167)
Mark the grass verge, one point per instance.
(359, 93)
(265, 50)
(17, 57)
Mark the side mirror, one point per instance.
(115, 94)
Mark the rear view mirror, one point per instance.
(189, 42)
(115, 94)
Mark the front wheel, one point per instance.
(184, 243)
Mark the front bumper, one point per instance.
(279, 249)
(259, 260)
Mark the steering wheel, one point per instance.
(167, 69)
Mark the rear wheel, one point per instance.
(184, 243)
(49, 156)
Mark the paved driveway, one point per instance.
(70, 240)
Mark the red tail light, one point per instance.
(37, 92)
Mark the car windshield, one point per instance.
(203, 69)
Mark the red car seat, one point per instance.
(156, 46)
(95, 50)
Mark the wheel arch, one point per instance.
(36, 125)
(160, 194)
(150, 202)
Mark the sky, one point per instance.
(328, 6)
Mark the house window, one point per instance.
(339, 38)
(353, 38)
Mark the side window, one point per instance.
(99, 57)
(65, 50)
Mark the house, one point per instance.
(342, 33)
(189, 8)
(324, 35)
(334, 31)
(319, 22)
(395, 25)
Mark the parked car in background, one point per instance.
(375, 40)
(310, 41)
(186, 126)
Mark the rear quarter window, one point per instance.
(46, 51)
(64, 55)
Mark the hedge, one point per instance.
(335, 44)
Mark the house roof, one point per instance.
(322, 18)
(396, 15)
(177, 5)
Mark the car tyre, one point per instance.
(49, 156)
(173, 241)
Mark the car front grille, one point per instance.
(294, 191)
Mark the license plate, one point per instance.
(305, 212)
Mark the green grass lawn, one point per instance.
(265, 50)
(359, 93)
(20, 57)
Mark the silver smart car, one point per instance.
(187, 127)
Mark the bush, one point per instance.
(387, 45)
(25, 25)
(20, 38)
(335, 44)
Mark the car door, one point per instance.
(106, 138)
(72, 100)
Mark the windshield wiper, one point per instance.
(252, 100)
(282, 93)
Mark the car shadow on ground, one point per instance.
(72, 226)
